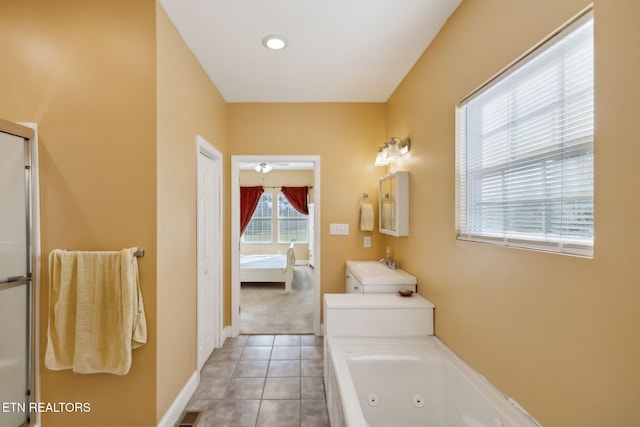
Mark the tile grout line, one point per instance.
(311, 356)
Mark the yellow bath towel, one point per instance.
(96, 313)
(366, 217)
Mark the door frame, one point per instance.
(36, 262)
(235, 232)
(206, 149)
(29, 131)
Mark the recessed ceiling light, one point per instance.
(274, 42)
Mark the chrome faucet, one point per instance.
(388, 261)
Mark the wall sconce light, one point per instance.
(263, 167)
(392, 151)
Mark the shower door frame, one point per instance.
(28, 132)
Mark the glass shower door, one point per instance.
(14, 281)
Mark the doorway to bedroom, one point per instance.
(275, 265)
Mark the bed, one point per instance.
(268, 268)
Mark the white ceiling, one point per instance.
(339, 50)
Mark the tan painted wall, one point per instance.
(557, 333)
(188, 105)
(346, 137)
(85, 72)
(277, 178)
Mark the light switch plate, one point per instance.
(339, 229)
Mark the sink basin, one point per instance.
(376, 273)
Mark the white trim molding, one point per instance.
(172, 415)
(235, 232)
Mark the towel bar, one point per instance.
(12, 282)
(139, 253)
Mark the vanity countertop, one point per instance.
(376, 273)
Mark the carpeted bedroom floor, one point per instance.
(266, 308)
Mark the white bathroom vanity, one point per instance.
(364, 277)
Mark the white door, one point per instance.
(209, 274)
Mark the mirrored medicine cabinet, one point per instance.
(393, 209)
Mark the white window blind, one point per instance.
(524, 150)
(259, 228)
(291, 223)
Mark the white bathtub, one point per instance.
(411, 382)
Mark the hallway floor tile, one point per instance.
(263, 380)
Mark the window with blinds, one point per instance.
(524, 150)
(259, 228)
(291, 223)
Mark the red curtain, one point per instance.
(297, 197)
(249, 198)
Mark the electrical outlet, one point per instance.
(339, 229)
(367, 241)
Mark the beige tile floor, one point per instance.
(263, 380)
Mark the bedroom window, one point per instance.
(291, 223)
(259, 229)
(524, 150)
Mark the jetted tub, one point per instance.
(412, 382)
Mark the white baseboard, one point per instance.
(226, 333)
(172, 416)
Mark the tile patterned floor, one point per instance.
(263, 380)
